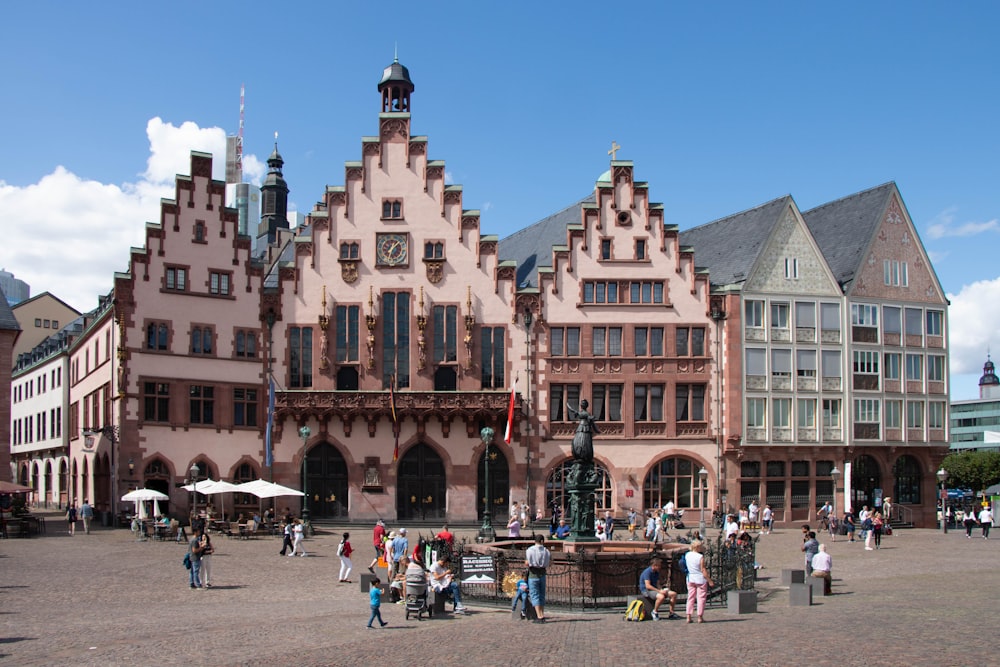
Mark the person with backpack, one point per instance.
(344, 550)
(649, 588)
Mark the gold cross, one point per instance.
(614, 149)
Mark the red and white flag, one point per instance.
(510, 413)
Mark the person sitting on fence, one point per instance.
(649, 588)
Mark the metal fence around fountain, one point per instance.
(591, 580)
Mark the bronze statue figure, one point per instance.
(583, 440)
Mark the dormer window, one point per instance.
(392, 209)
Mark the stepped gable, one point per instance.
(843, 229)
(531, 247)
(729, 247)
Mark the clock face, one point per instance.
(392, 249)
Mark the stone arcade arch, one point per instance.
(326, 471)
(421, 485)
(675, 478)
(866, 476)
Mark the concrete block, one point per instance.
(741, 602)
(789, 577)
(800, 595)
(817, 585)
(366, 582)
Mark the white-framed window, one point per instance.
(864, 315)
(781, 363)
(866, 362)
(779, 315)
(914, 414)
(831, 363)
(805, 363)
(935, 367)
(781, 412)
(866, 410)
(892, 320)
(935, 319)
(914, 367)
(893, 414)
(895, 273)
(805, 315)
(756, 361)
(914, 322)
(936, 411)
(807, 413)
(754, 314)
(892, 362)
(791, 268)
(756, 412)
(831, 413)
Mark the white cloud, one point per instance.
(974, 325)
(448, 178)
(67, 235)
(944, 225)
(487, 206)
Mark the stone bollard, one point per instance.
(800, 595)
(817, 585)
(741, 602)
(789, 577)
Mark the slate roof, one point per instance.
(7, 320)
(728, 247)
(844, 228)
(531, 247)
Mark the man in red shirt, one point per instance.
(378, 537)
(447, 536)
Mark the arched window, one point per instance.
(555, 488)
(907, 474)
(675, 478)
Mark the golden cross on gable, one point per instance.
(614, 149)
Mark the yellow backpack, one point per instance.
(636, 611)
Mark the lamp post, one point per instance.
(703, 476)
(305, 432)
(942, 476)
(835, 473)
(193, 471)
(486, 531)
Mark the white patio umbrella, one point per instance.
(263, 489)
(218, 487)
(144, 494)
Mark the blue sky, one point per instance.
(721, 106)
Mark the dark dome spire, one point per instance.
(395, 87)
(989, 374)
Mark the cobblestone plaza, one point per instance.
(106, 599)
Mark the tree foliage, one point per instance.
(972, 470)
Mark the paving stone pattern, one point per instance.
(105, 599)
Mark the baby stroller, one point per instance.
(416, 597)
(679, 523)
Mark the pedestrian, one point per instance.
(986, 521)
(753, 515)
(378, 538)
(970, 523)
(87, 514)
(286, 541)
(537, 560)
(887, 509)
(375, 603)
(650, 526)
(525, 514)
(71, 517)
(698, 581)
(832, 525)
(609, 525)
(849, 525)
(669, 516)
(344, 550)
(447, 537)
(298, 534)
(206, 559)
(877, 524)
(400, 547)
(767, 517)
(194, 550)
(632, 519)
(514, 528)
(810, 547)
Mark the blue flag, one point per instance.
(268, 451)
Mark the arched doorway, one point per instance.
(675, 478)
(326, 477)
(63, 482)
(866, 476)
(156, 476)
(907, 486)
(102, 484)
(499, 486)
(421, 484)
(49, 481)
(557, 496)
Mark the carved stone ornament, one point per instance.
(392, 127)
(435, 271)
(349, 272)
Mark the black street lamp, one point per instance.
(702, 493)
(486, 532)
(305, 432)
(942, 476)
